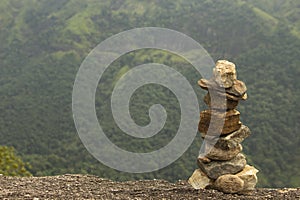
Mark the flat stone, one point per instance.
(199, 180)
(214, 153)
(229, 93)
(229, 184)
(204, 159)
(231, 120)
(224, 73)
(220, 102)
(238, 88)
(214, 169)
(236, 98)
(209, 84)
(248, 175)
(245, 96)
(231, 127)
(231, 140)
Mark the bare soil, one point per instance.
(92, 187)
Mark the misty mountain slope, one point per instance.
(43, 44)
(288, 11)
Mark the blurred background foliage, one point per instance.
(44, 42)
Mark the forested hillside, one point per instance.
(44, 42)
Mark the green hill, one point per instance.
(44, 42)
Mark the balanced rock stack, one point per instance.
(222, 166)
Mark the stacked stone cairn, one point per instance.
(222, 166)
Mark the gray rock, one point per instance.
(231, 140)
(235, 93)
(238, 88)
(229, 184)
(214, 153)
(224, 73)
(214, 169)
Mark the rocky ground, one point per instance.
(92, 187)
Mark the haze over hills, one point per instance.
(44, 42)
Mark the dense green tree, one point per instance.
(11, 164)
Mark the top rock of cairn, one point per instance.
(224, 73)
(225, 79)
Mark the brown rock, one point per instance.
(245, 96)
(220, 101)
(231, 127)
(229, 184)
(214, 169)
(199, 180)
(230, 118)
(248, 175)
(214, 153)
(203, 159)
(224, 73)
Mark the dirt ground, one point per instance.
(92, 187)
